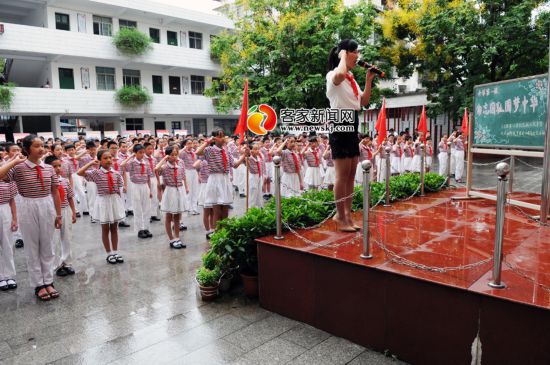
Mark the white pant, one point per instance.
(36, 217)
(443, 161)
(155, 210)
(142, 206)
(453, 160)
(290, 185)
(62, 239)
(7, 266)
(459, 164)
(78, 187)
(128, 194)
(239, 178)
(381, 176)
(91, 193)
(255, 190)
(193, 184)
(17, 234)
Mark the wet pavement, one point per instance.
(148, 309)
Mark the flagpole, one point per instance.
(247, 184)
(470, 165)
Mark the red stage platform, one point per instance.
(400, 301)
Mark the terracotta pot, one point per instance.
(250, 282)
(208, 293)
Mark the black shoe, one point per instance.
(62, 271)
(142, 234)
(123, 225)
(149, 234)
(78, 215)
(183, 228)
(11, 284)
(69, 270)
(86, 213)
(231, 207)
(242, 195)
(19, 243)
(155, 218)
(130, 213)
(209, 235)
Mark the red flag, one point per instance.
(381, 124)
(465, 125)
(422, 124)
(241, 125)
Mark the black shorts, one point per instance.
(345, 144)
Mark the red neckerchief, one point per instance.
(224, 158)
(296, 165)
(39, 176)
(61, 193)
(350, 78)
(74, 162)
(110, 182)
(316, 157)
(116, 163)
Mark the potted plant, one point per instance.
(208, 281)
(6, 96)
(132, 96)
(132, 42)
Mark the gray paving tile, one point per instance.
(333, 351)
(218, 352)
(274, 352)
(369, 357)
(5, 350)
(39, 355)
(305, 336)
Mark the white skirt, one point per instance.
(269, 170)
(290, 185)
(407, 164)
(330, 176)
(218, 190)
(358, 174)
(109, 209)
(314, 176)
(202, 192)
(395, 162)
(173, 200)
(429, 160)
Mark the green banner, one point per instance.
(511, 113)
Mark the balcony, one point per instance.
(39, 101)
(22, 41)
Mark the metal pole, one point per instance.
(511, 175)
(388, 173)
(366, 165)
(448, 163)
(277, 164)
(422, 168)
(502, 171)
(545, 194)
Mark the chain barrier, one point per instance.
(382, 198)
(315, 244)
(439, 187)
(315, 201)
(488, 163)
(528, 164)
(525, 276)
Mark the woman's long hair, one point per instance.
(349, 45)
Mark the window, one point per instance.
(157, 84)
(172, 38)
(154, 34)
(122, 23)
(66, 78)
(175, 86)
(227, 125)
(176, 125)
(103, 25)
(134, 124)
(131, 77)
(187, 126)
(62, 21)
(197, 85)
(195, 40)
(105, 78)
(221, 87)
(199, 126)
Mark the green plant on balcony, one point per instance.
(133, 96)
(132, 42)
(6, 96)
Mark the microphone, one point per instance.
(374, 69)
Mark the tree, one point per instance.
(458, 44)
(282, 48)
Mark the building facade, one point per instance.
(61, 56)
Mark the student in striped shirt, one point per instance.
(64, 259)
(207, 217)
(71, 166)
(13, 150)
(255, 176)
(110, 207)
(123, 154)
(188, 156)
(8, 225)
(155, 183)
(173, 202)
(268, 161)
(37, 183)
(314, 175)
(116, 160)
(330, 176)
(291, 180)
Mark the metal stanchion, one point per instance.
(277, 164)
(448, 163)
(502, 171)
(366, 165)
(422, 168)
(388, 174)
(511, 176)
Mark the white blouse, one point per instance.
(342, 96)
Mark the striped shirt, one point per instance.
(328, 159)
(8, 191)
(101, 179)
(233, 149)
(171, 178)
(213, 154)
(265, 154)
(139, 171)
(29, 184)
(289, 161)
(116, 163)
(442, 146)
(151, 162)
(313, 157)
(85, 160)
(365, 153)
(254, 166)
(407, 150)
(188, 158)
(459, 145)
(70, 166)
(68, 192)
(203, 172)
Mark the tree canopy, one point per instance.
(282, 48)
(458, 44)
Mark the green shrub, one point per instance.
(132, 42)
(207, 277)
(133, 96)
(6, 96)
(211, 260)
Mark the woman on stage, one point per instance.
(343, 92)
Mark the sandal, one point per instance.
(111, 259)
(175, 244)
(119, 258)
(11, 284)
(45, 296)
(53, 293)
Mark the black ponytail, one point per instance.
(349, 45)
